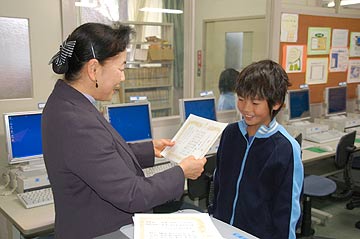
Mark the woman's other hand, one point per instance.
(160, 144)
(192, 167)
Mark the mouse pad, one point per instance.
(316, 150)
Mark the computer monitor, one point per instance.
(335, 100)
(203, 107)
(131, 120)
(298, 104)
(23, 136)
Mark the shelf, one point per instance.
(149, 70)
(161, 107)
(147, 87)
(149, 64)
(150, 43)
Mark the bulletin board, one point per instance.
(333, 78)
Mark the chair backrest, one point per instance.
(344, 148)
(199, 188)
(298, 138)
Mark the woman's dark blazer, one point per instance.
(96, 177)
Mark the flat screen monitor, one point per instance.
(298, 104)
(203, 107)
(131, 120)
(335, 100)
(23, 136)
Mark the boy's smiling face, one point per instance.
(255, 113)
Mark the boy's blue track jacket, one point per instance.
(258, 183)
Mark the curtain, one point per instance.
(178, 21)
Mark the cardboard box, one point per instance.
(160, 54)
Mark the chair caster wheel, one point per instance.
(350, 206)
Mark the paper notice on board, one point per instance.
(195, 137)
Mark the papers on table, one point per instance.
(195, 137)
(174, 226)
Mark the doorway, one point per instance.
(232, 43)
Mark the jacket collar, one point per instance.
(263, 131)
(70, 94)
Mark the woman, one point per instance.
(227, 99)
(96, 177)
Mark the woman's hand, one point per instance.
(192, 167)
(160, 144)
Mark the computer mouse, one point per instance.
(326, 148)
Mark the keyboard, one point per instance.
(324, 137)
(158, 168)
(36, 198)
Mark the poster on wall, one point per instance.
(355, 44)
(339, 38)
(294, 58)
(354, 71)
(289, 27)
(339, 59)
(318, 40)
(316, 70)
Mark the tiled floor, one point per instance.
(342, 224)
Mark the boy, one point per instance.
(259, 173)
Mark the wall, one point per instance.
(45, 37)
(307, 7)
(221, 9)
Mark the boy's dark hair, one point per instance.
(264, 80)
(227, 80)
(95, 40)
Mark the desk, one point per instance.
(226, 230)
(39, 220)
(28, 222)
(309, 156)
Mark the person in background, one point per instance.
(259, 175)
(96, 177)
(227, 99)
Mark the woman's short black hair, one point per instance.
(95, 40)
(227, 80)
(265, 80)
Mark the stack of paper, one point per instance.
(174, 226)
(195, 137)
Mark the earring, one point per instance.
(96, 84)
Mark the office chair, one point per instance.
(355, 197)
(197, 189)
(319, 186)
(201, 187)
(298, 138)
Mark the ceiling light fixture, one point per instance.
(160, 10)
(344, 3)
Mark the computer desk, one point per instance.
(27, 222)
(309, 156)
